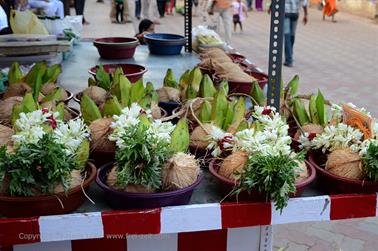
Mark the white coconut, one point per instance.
(235, 163)
(345, 163)
(100, 130)
(180, 171)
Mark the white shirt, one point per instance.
(3, 19)
(293, 6)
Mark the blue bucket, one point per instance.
(164, 44)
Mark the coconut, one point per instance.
(111, 180)
(167, 94)
(97, 94)
(232, 164)
(155, 111)
(6, 107)
(76, 180)
(67, 115)
(5, 135)
(180, 171)
(345, 163)
(310, 129)
(301, 172)
(100, 130)
(48, 88)
(198, 136)
(51, 105)
(18, 89)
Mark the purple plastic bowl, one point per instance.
(126, 200)
(116, 47)
(132, 71)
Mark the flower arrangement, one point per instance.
(150, 155)
(350, 143)
(45, 155)
(261, 158)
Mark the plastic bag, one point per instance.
(26, 22)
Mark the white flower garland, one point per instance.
(32, 126)
(125, 124)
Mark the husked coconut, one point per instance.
(199, 135)
(64, 94)
(180, 171)
(5, 135)
(155, 111)
(100, 130)
(301, 172)
(345, 163)
(48, 88)
(6, 107)
(111, 180)
(167, 94)
(18, 89)
(232, 164)
(310, 129)
(97, 94)
(67, 115)
(76, 180)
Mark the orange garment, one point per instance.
(329, 8)
(223, 4)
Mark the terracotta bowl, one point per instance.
(116, 47)
(334, 184)
(133, 72)
(227, 185)
(47, 204)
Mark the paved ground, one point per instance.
(339, 58)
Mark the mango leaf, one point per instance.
(103, 78)
(124, 91)
(37, 86)
(60, 109)
(52, 73)
(137, 91)
(28, 103)
(38, 68)
(320, 106)
(15, 74)
(293, 86)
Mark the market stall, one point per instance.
(208, 220)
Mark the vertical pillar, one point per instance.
(275, 52)
(188, 25)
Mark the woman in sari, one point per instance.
(329, 9)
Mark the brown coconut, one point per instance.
(180, 171)
(64, 94)
(97, 94)
(111, 180)
(67, 115)
(5, 135)
(100, 130)
(301, 172)
(155, 111)
(6, 107)
(234, 163)
(309, 128)
(167, 94)
(48, 88)
(199, 135)
(76, 180)
(18, 89)
(345, 163)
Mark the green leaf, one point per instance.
(136, 91)
(82, 154)
(53, 96)
(257, 94)
(52, 73)
(89, 110)
(320, 106)
(103, 78)
(28, 103)
(125, 91)
(37, 86)
(180, 136)
(37, 69)
(293, 85)
(370, 162)
(60, 108)
(224, 85)
(15, 74)
(17, 109)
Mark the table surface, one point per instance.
(74, 78)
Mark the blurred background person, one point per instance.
(138, 9)
(161, 7)
(150, 10)
(259, 5)
(329, 9)
(51, 8)
(249, 5)
(170, 7)
(146, 26)
(223, 8)
(239, 14)
(79, 9)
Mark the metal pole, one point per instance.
(188, 25)
(275, 52)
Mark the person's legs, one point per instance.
(227, 24)
(241, 26)
(249, 4)
(146, 8)
(293, 29)
(287, 42)
(138, 8)
(235, 24)
(60, 9)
